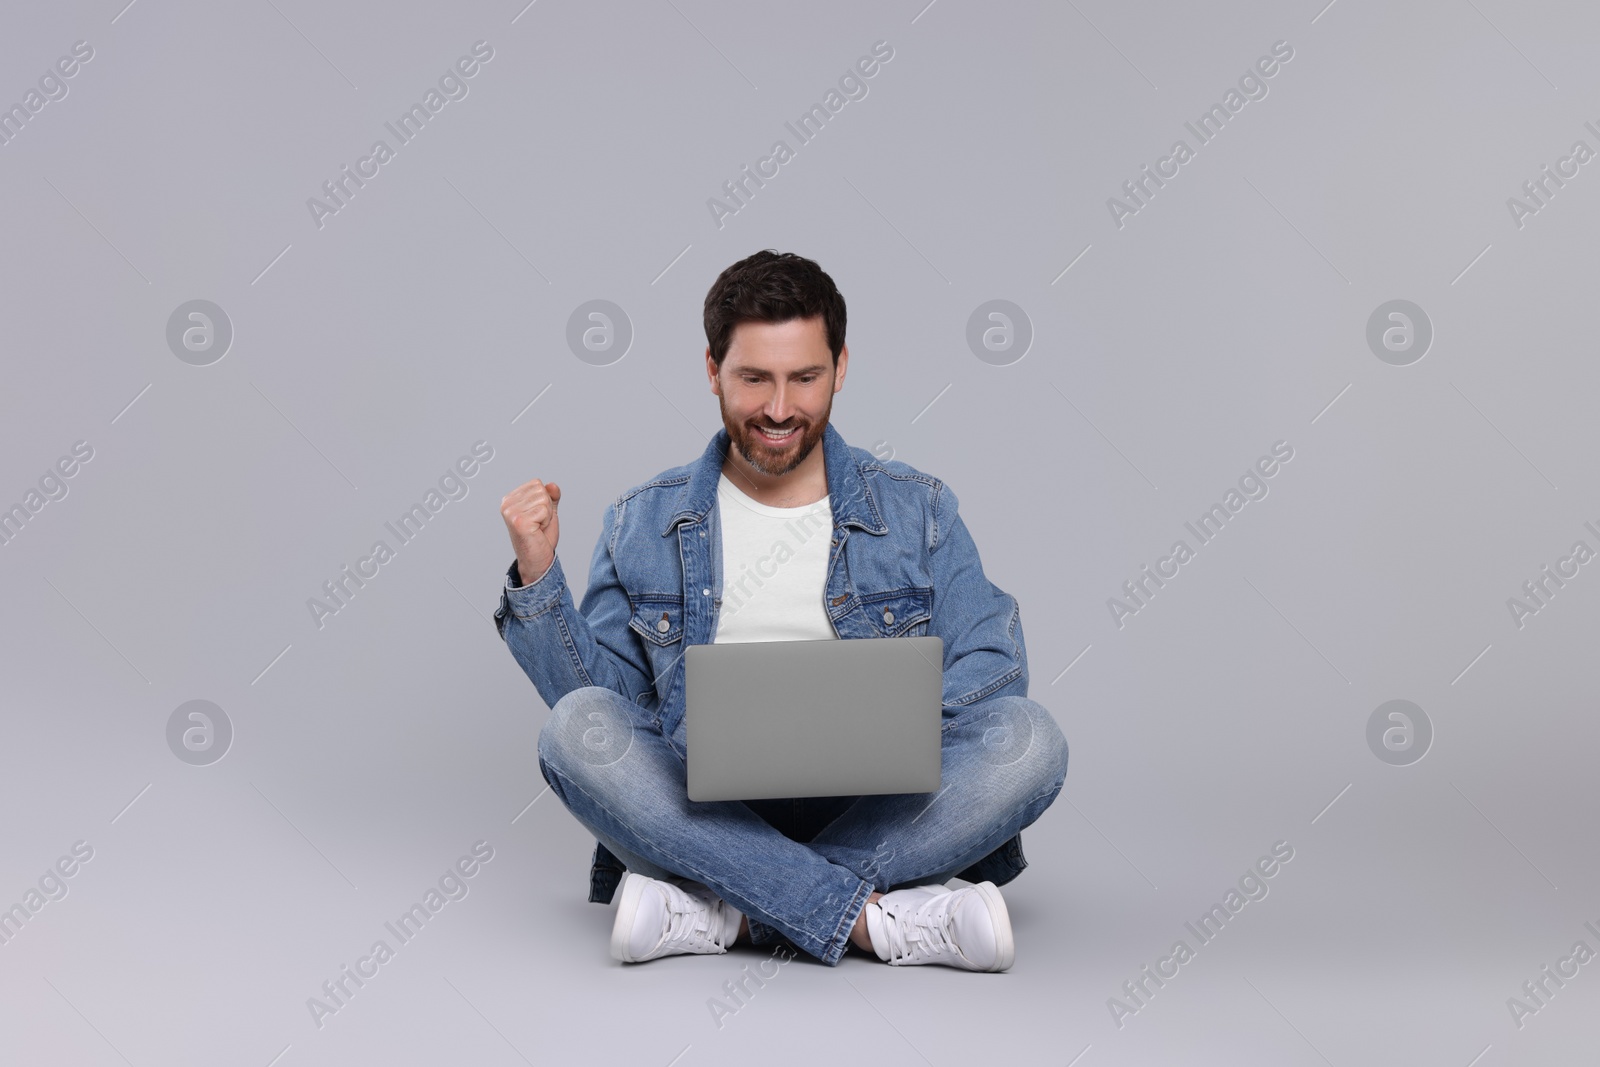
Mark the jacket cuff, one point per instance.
(525, 601)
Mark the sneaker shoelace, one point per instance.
(693, 920)
(921, 931)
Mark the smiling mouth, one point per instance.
(777, 440)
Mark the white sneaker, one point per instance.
(657, 918)
(967, 927)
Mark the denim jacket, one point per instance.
(902, 564)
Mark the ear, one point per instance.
(711, 373)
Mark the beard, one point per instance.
(767, 457)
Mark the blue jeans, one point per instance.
(1004, 762)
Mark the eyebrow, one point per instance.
(815, 368)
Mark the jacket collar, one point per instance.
(849, 494)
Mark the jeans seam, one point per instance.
(847, 922)
(1053, 792)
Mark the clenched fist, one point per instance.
(530, 514)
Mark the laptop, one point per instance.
(838, 717)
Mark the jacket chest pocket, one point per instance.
(900, 613)
(659, 620)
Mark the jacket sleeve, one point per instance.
(980, 624)
(561, 649)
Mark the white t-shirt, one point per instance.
(774, 568)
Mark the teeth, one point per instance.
(776, 437)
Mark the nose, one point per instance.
(779, 409)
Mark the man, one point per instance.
(735, 547)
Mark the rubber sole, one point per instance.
(627, 907)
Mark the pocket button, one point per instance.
(888, 618)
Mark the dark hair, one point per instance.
(772, 287)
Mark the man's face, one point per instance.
(777, 376)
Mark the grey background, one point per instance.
(431, 312)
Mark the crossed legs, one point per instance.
(1004, 762)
